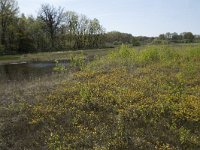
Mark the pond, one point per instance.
(26, 71)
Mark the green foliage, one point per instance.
(52, 30)
(59, 66)
(135, 42)
(159, 41)
(2, 58)
(78, 60)
(117, 43)
(149, 55)
(107, 105)
(185, 37)
(118, 38)
(2, 49)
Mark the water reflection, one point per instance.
(25, 71)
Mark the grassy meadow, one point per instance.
(146, 98)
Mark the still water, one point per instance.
(26, 71)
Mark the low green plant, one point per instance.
(59, 66)
(78, 60)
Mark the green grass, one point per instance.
(128, 99)
(9, 58)
(51, 56)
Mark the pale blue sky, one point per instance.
(138, 17)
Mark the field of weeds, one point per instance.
(129, 99)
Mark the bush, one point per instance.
(137, 43)
(117, 43)
(159, 42)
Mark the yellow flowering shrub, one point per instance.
(148, 99)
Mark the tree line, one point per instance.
(117, 38)
(114, 38)
(185, 37)
(52, 29)
(55, 29)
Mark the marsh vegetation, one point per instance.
(66, 83)
(142, 99)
